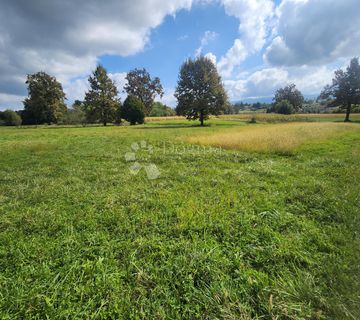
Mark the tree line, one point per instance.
(343, 92)
(46, 99)
(199, 93)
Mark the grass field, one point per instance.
(220, 234)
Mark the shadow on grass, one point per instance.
(182, 125)
(186, 126)
(351, 121)
(70, 126)
(166, 127)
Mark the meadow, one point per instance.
(245, 221)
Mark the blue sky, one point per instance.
(176, 39)
(257, 45)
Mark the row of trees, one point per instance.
(344, 93)
(46, 99)
(199, 92)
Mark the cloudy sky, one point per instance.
(258, 45)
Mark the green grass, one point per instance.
(219, 235)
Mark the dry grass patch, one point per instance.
(155, 119)
(275, 138)
(275, 117)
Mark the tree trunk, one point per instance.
(105, 123)
(348, 110)
(201, 118)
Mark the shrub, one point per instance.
(354, 109)
(252, 119)
(284, 107)
(10, 118)
(133, 110)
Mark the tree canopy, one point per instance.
(101, 101)
(45, 102)
(142, 86)
(200, 91)
(291, 94)
(345, 88)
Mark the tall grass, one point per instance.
(273, 117)
(276, 138)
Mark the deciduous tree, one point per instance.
(142, 86)
(200, 91)
(45, 102)
(345, 88)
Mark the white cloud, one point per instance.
(183, 37)
(212, 57)
(53, 37)
(254, 17)
(206, 38)
(263, 83)
(236, 89)
(315, 32)
(258, 84)
(75, 90)
(308, 41)
(233, 57)
(312, 80)
(169, 98)
(7, 101)
(120, 81)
